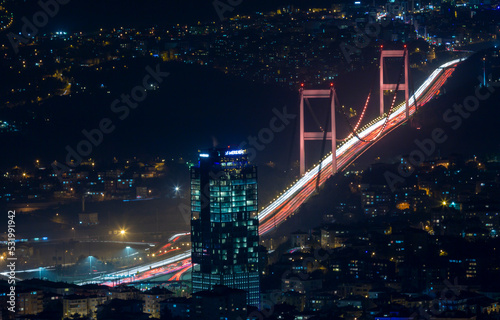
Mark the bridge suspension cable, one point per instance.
(363, 113)
(323, 145)
(359, 120)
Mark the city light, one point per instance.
(98, 141)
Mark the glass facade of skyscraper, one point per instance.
(224, 222)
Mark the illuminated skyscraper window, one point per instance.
(224, 222)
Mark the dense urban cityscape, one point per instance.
(180, 160)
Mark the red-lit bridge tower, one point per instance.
(392, 86)
(305, 95)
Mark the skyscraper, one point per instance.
(225, 223)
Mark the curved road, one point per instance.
(292, 198)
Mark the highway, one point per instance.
(292, 198)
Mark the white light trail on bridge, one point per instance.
(158, 264)
(178, 235)
(140, 269)
(349, 143)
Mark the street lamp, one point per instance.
(128, 253)
(128, 257)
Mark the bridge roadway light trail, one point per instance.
(348, 151)
(178, 275)
(300, 191)
(147, 267)
(178, 235)
(345, 157)
(352, 143)
(140, 269)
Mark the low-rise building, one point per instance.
(152, 299)
(84, 306)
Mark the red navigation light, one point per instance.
(381, 46)
(331, 84)
(404, 46)
(302, 85)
